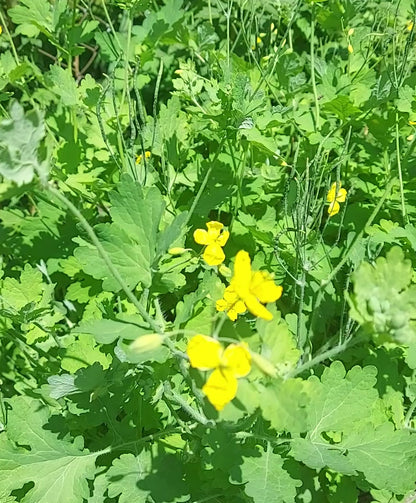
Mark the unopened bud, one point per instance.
(224, 271)
(263, 364)
(350, 48)
(177, 250)
(350, 32)
(146, 342)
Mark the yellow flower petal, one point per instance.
(220, 388)
(237, 359)
(264, 288)
(231, 303)
(221, 305)
(341, 195)
(254, 306)
(223, 238)
(214, 230)
(204, 352)
(236, 309)
(333, 208)
(201, 237)
(332, 193)
(242, 274)
(213, 254)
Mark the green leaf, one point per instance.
(256, 138)
(405, 100)
(283, 404)
(340, 399)
(125, 474)
(266, 480)
(36, 12)
(20, 137)
(342, 107)
(107, 331)
(278, 344)
(320, 455)
(387, 458)
(83, 353)
(18, 293)
(57, 468)
(130, 240)
(63, 85)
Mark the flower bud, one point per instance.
(146, 342)
(177, 250)
(263, 364)
(224, 271)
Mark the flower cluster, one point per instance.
(229, 364)
(248, 290)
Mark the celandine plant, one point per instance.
(207, 241)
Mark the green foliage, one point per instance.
(384, 300)
(127, 125)
(70, 465)
(20, 137)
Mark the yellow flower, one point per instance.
(206, 353)
(412, 123)
(248, 290)
(350, 48)
(409, 25)
(1, 30)
(139, 158)
(335, 195)
(214, 239)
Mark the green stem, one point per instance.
(197, 416)
(90, 231)
(409, 415)
(4, 25)
(312, 49)
(110, 23)
(399, 168)
(322, 357)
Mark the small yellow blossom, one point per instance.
(214, 239)
(335, 195)
(410, 137)
(409, 25)
(139, 158)
(1, 30)
(350, 48)
(412, 123)
(206, 353)
(248, 290)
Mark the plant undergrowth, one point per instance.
(207, 249)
